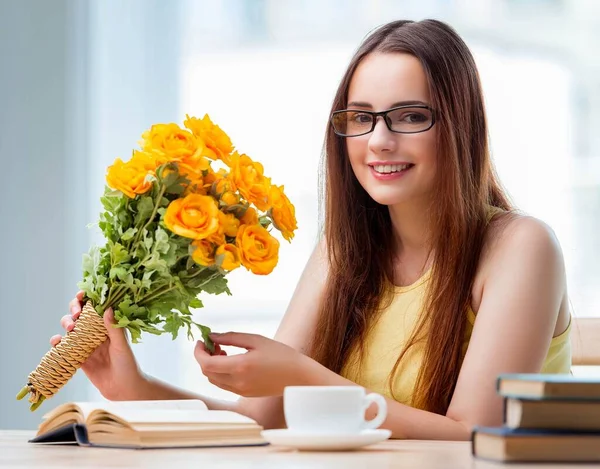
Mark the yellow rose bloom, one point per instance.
(177, 145)
(250, 217)
(259, 251)
(230, 198)
(217, 238)
(282, 212)
(229, 257)
(224, 189)
(217, 143)
(229, 224)
(195, 216)
(204, 252)
(171, 140)
(192, 166)
(223, 184)
(249, 179)
(131, 177)
(211, 177)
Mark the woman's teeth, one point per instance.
(391, 168)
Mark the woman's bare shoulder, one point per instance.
(511, 238)
(510, 232)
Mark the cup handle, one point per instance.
(381, 410)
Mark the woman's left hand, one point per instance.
(265, 369)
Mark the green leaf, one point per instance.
(148, 241)
(216, 286)
(205, 331)
(119, 254)
(135, 332)
(88, 287)
(174, 183)
(196, 303)
(129, 234)
(123, 321)
(172, 325)
(161, 241)
(145, 207)
(130, 310)
(102, 287)
(265, 221)
(120, 272)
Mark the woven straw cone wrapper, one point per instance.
(61, 362)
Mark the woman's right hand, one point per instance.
(112, 367)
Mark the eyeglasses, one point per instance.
(409, 119)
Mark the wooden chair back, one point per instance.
(585, 341)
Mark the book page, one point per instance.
(114, 407)
(148, 415)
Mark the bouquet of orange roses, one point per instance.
(181, 214)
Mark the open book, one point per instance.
(147, 424)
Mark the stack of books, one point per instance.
(547, 418)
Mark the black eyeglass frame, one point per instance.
(385, 119)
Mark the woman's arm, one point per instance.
(296, 330)
(515, 323)
(517, 317)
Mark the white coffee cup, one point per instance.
(331, 409)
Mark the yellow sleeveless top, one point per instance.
(392, 330)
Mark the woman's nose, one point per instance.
(382, 139)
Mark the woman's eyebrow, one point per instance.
(399, 103)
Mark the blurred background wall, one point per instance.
(80, 80)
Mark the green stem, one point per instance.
(156, 205)
(195, 274)
(140, 262)
(118, 298)
(111, 296)
(156, 294)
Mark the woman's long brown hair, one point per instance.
(358, 231)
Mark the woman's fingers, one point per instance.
(55, 340)
(74, 306)
(67, 322)
(76, 303)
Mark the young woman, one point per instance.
(426, 284)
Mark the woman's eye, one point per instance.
(413, 118)
(362, 118)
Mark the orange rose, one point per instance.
(204, 252)
(221, 184)
(283, 212)
(250, 217)
(210, 177)
(171, 140)
(196, 185)
(249, 179)
(228, 257)
(131, 178)
(177, 145)
(230, 198)
(192, 167)
(259, 251)
(195, 216)
(228, 225)
(217, 143)
(223, 188)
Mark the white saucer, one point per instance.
(325, 441)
